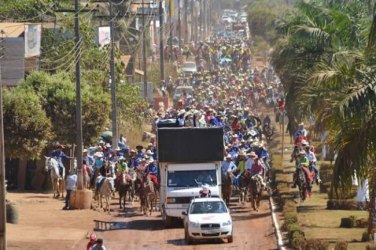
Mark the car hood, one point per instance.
(209, 218)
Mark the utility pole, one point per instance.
(161, 46)
(201, 20)
(113, 80)
(78, 99)
(186, 21)
(3, 223)
(179, 26)
(171, 26)
(144, 52)
(192, 22)
(205, 18)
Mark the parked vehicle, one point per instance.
(189, 68)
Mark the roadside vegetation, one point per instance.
(45, 101)
(324, 53)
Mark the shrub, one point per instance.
(289, 206)
(347, 222)
(365, 237)
(370, 247)
(361, 223)
(341, 245)
(298, 241)
(315, 244)
(291, 218)
(341, 204)
(293, 228)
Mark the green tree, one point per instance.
(26, 126)
(57, 94)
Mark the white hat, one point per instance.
(98, 154)
(228, 156)
(108, 145)
(121, 158)
(205, 188)
(148, 152)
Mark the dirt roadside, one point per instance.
(44, 225)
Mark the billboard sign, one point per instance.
(32, 39)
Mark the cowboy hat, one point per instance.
(205, 188)
(302, 152)
(228, 156)
(98, 154)
(253, 155)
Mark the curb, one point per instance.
(280, 243)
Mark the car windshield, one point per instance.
(189, 65)
(208, 207)
(195, 178)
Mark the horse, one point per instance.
(255, 191)
(147, 192)
(227, 187)
(123, 185)
(105, 191)
(268, 131)
(58, 183)
(244, 181)
(302, 184)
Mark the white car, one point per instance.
(207, 218)
(189, 68)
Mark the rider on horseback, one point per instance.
(257, 168)
(312, 162)
(152, 170)
(59, 155)
(302, 163)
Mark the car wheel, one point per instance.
(187, 238)
(230, 239)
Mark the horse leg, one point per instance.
(120, 200)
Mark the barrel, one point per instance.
(81, 199)
(12, 213)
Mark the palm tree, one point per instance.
(339, 84)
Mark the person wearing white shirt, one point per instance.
(313, 162)
(70, 185)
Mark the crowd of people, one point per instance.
(226, 92)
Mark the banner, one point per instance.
(32, 39)
(104, 36)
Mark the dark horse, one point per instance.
(146, 191)
(255, 191)
(303, 182)
(227, 187)
(124, 186)
(244, 182)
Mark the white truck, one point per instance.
(188, 159)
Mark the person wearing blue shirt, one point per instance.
(228, 165)
(59, 155)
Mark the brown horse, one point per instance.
(124, 186)
(255, 190)
(146, 191)
(227, 187)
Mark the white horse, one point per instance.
(105, 191)
(57, 180)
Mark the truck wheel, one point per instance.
(167, 220)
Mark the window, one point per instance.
(195, 178)
(212, 207)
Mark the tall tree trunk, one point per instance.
(371, 205)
